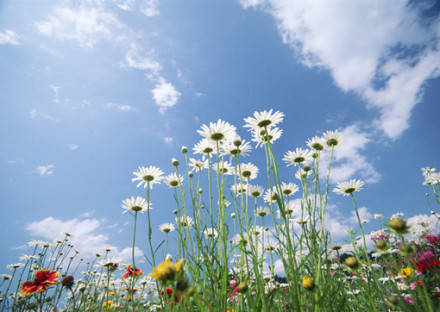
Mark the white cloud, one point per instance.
(17, 160)
(34, 114)
(365, 44)
(124, 108)
(168, 140)
(125, 5)
(8, 37)
(165, 95)
(135, 57)
(86, 236)
(149, 8)
(73, 146)
(86, 25)
(348, 158)
(364, 214)
(45, 170)
(56, 96)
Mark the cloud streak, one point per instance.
(8, 37)
(382, 50)
(45, 170)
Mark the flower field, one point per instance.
(242, 246)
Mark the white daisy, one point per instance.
(137, 205)
(255, 190)
(271, 196)
(333, 138)
(262, 212)
(185, 221)
(198, 165)
(248, 171)
(205, 147)
(6, 277)
(239, 189)
(261, 138)
(264, 119)
(223, 167)
(348, 187)
(289, 188)
(316, 143)
(271, 246)
(302, 175)
(14, 266)
(173, 180)
(298, 156)
(219, 131)
(167, 227)
(230, 148)
(210, 233)
(148, 176)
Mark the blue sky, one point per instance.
(90, 90)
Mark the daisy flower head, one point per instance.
(316, 143)
(223, 167)
(271, 195)
(219, 131)
(233, 148)
(14, 266)
(248, 171)
(262, 212)
(148, 176)
(298, 156)
(185, 221)
(198, 165)
(167, 227)
(111, 264)
(255, 190)
(289, 189)
(205, 147)
(173, 180)
(239, 189)
(348, 187)
(264, 119)
(333, 138)
(261, 137)
(271, 246)
(302, 175)
(210, 233)
(138, 204)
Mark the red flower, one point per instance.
(43, 279)
(67, 282)
(130, 272)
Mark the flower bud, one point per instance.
(233, 215)
(308, 283)
(184, 149)
(174, 162)
(351, 262)
(397, 224)
(242, 287)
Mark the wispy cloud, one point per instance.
(16, 160)
(45, 170)
(73, 146)
(165, 95)
(168, 140)
(8, 37)
(87, 237)
(136, 57)
(86, 25)
(123, 108)
(384, 51)
(150, 8)
(33, 113)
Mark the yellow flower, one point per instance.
(108, 305)
(308, 283)
(111, 293)
(166, 270)
(406, 272)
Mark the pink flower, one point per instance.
(409, 300)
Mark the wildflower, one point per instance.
(289, 188)
(174, 162)
(298, 156)
(166, 227)
(263, 136)
(248, 171)
(239, 189)
(219, 131)
(166, 270)
(185, 221)
(223, 167)
(233, 215)
(210, 233)
(204, 147)
(111, 264)
(198, 165)
(130, 272)
(6, 277)
(263, 120)
(242, 287)
(317, 143)
(137, 205)
(173, 180)
(262, 212)
(381, 244)
(378, 216)
(148, 176)
(333, 138)
(43, 279)
(346, 188)
(255, 190)
(68, 282)
(14, 266)
(271, 247)
(271, 195)
(308, 283)
(406, 272)
(184, 150)
(351, 262)
(234, 149)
